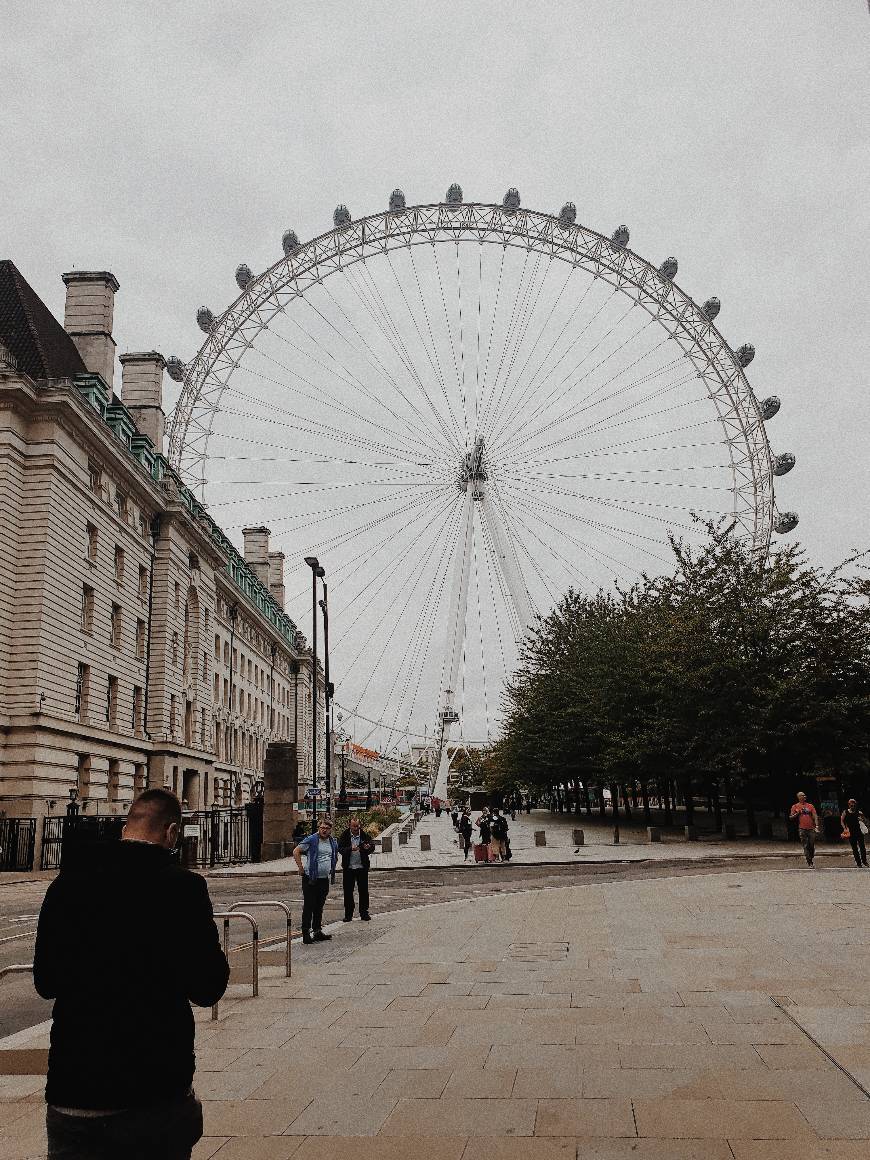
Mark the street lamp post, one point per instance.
(327, 695)
(316, 570)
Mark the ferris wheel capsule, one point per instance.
(397, 200)
(341, 218)
(745, 354)
(619, 237)
(454, 195)
(568, 214)
(711, 308)
(785, 522)
(175, 368)
(511, 200)
(244, 276)
(668, 268)
(782, 464)
(205, 320)
(769, 407)
(289, 242)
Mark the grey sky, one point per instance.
(168, 142)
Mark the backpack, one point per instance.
(499, 828)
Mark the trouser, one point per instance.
(313, 897)
(164, 1131)
(808, 841)
(496, 848)
(856, 841)
(466, 843)
(360, 879)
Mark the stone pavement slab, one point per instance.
(613, 1021)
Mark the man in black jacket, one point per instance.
(356, 848)
(125, 943)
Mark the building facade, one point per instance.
(138, 647)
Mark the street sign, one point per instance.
(313, 792)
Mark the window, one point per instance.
(226, 653)
(204, 665)
(115, 626)
(175, 648)
(121, 505)
(193, 561)
(112, 701)
(226, 691)
(83, 681)
(93, 535)
(139, 779)
(143, 526)
(119, 564)
(236, 659)
(137, 709)
(202, 728)
(87, 608)
(95, 479)
(143, 583)
(249, 669)
(140, 640)
(216, 688)
(217, 648)
(173, 719)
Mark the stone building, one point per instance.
(138, 647)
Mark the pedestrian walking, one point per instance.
(321, 856)
(454, 816)
(355, 848)
(126, 941)
(465, 832)
(484, 824)
(808, 825)
(498, 837)
(852, 819)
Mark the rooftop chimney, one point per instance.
(90, 304)
(142, 393)
(276, 577)
(257, 552)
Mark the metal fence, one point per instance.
(217, 837)
(63, 835)
(17, 843)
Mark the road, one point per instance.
(21, 1007)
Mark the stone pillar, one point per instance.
(540, 837)
(579, 837)
(653, 834)
(257, 552)
(90, 305)
(280, 793)
(142, 393)
(425, 841)
(276, 577)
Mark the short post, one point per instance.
(288, 954)
(730, 831)
(425, 841)
(691, 833)
(387, 845)
(653, 834)
(255, 949)
(540, 837)
(579, 837)
(403, 837)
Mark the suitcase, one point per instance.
(481, 852)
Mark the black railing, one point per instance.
(63, 836)
(216, 837)
(17, 843)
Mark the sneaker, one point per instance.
(366, 917)
(319, 936)
(306, 938)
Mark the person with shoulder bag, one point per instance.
(855, 825)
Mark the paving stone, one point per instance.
(335, 1114)
(582, 1117)
(478, 1083)
(261, 1117)
(720, 1119)
(462, 1117)
(590, 1148)
(384, 1148)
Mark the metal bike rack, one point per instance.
(226, 915)
(17, 969)
(288, 960)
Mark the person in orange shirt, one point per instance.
(808, 825)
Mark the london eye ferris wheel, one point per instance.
(464, 409)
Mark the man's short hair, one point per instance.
(157, 808)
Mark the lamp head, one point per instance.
(312, 562)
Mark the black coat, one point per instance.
(125, 943)
(366, 849)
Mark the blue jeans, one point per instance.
(165, 1131)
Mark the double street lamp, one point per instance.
(316, 571)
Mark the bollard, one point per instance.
(425, 841)
(579, 837)
(730, 831)
(540, 837)
(691, 833)
(765, 829)
(387, 845)
(653, 834)
(403, 837)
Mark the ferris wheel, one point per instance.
(463, 410)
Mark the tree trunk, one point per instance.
(588, 798)
(665, 794)
(627, 801)
(751, 821)
(602, 804)
(717, 806)
(614, 801)
(644, 794)
(729, 798)
(690, 802)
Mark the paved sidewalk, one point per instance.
(602, 1022)
(560, 848)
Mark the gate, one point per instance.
(216, 837)
(62, 836)
(17, 842)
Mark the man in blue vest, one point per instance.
(321, 855)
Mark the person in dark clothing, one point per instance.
(355, 848)
(125, 943)
(851, 819)
(321, 857)
(465, 833)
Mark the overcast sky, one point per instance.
(168, 142)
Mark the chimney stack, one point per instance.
(90, 305)
(142, 393)
(257, 552)
(276, 577)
